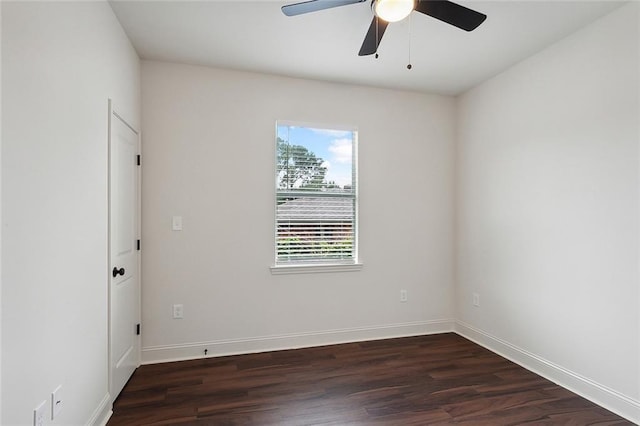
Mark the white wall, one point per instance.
(208, 153)
(61, 61)
(548, 222)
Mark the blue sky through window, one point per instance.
(335, 147)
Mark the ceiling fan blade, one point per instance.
(373, 37)
(451, 13)
(314, 6)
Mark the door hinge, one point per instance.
(138, 159)
(138, 245)
(137, 329)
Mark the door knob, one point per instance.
(117, 271)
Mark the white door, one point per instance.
(124, 277)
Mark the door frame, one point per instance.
(113, 114)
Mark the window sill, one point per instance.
(314, 269)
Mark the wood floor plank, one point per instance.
(440, 379)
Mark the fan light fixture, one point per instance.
(392, 10)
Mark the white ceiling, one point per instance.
(256, 36)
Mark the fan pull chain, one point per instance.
(409, 66)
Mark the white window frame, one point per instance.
(317, 266)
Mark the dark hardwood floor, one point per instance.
(428, 380)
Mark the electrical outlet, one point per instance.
(39, 414)
(56, 402)
(476, 299)
(403, 295)
(178, 311)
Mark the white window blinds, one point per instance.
(316, 195)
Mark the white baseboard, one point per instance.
(102, 413)
(616, 402)
(157, 354)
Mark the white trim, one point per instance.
(610, 399)
(168, 353)
(313, 269)
(318, 126)
(102, 413)
(139, 254)
(108, 280)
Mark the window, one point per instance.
(316, 196)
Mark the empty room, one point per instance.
(331, 212)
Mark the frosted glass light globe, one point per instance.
(393, 10)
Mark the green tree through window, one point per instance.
(299, 168)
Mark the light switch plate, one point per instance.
(176, 223)
(56, 402)
(476, 299)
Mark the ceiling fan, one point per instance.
(386, 11)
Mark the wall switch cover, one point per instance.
(476, 299)
(176, 223)
(56, 402)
